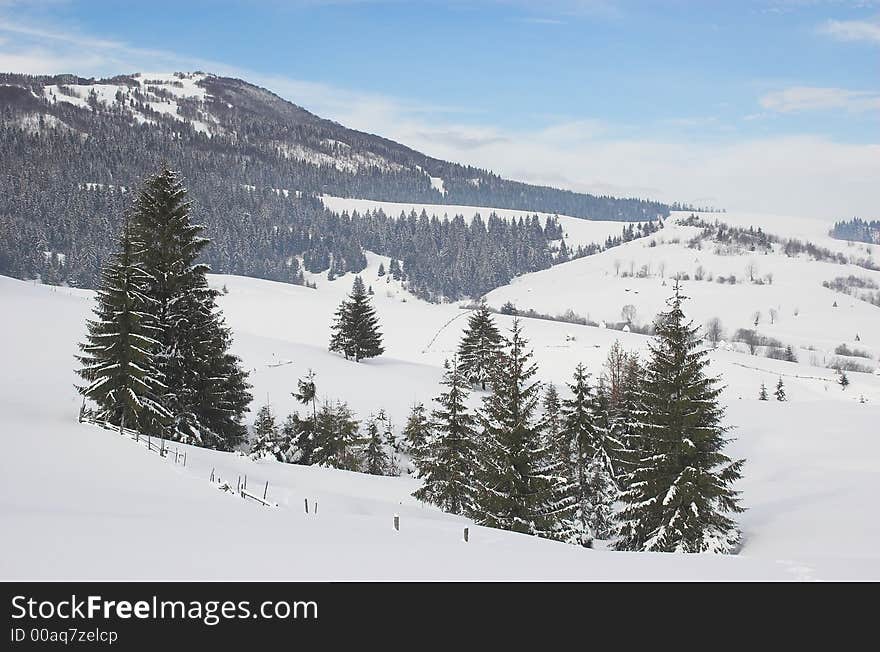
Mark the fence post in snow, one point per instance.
(465, 535)
(184, 458)
(316, 508)
(238, 485)
(245, 483)
(266, 490)
(212, 474)
(397, 523)
(307, 504)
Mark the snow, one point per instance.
(577, 231)
(178, 85)
(809, 484)
(437, 184)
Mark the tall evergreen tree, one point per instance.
(762, 393)
(356, 328)
(843, 381)
(118, 357)
(445, 460)
(679, 496)
(206, 391)
(589, 464)
(480, 346)
(519, 484)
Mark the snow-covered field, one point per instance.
(577, 231)
(82, 502)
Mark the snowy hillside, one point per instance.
(123, 512)
(577, 231)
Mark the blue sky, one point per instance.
(544, 91)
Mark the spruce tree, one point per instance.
(519, 483)
(445, 459)
(375, 459)
(267, 442)
(479, 347)
(206, 390)
(336, 438)
(355, 331)
(843, 381)
(679, 497)
(302, 431)
(780, 391)
(587, 430)
(762, 393)
(118, 358)
(417, 429)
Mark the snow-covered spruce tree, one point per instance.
(417, 429)
(679, 496)
(389, 441)
(355, 331)
(206, 390)
(479, 347)
(374, 458)
(267, 442)
(843, 381)
(301, 432)
(336, 438)
(780, 391)
(445, 459)
(762, 393)
(587, 431)
(118, 357)
(519, 484)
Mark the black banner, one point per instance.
(224, 615)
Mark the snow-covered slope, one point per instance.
(87, 503)
(791, 294)
(577, 231)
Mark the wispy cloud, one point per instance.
(796, 174)
(852, 30)
(814, 98)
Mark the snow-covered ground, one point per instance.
(576, 231)
(82, 502)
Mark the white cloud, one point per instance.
(852, 30)
(813, 98)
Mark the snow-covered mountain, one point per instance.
(809, 483)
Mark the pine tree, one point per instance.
(762, 393)
(356, 328)
(267, 442)
(336, 438)
(445, 459)
(843, 381)
(588, 434)
(118, 357)
(302, 431)
(519, 484)
(679, 496)
(780, 391)
(206, 389)
(479, 347)
(375, 460)
(389, 441)
(417, 429)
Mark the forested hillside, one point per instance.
(256, 166)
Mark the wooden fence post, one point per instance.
(266, 490)
(316, 508)
(465, 535)
(307, 504)
(245, 482)
(184, 458)
(397, 523)
(212, 474)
